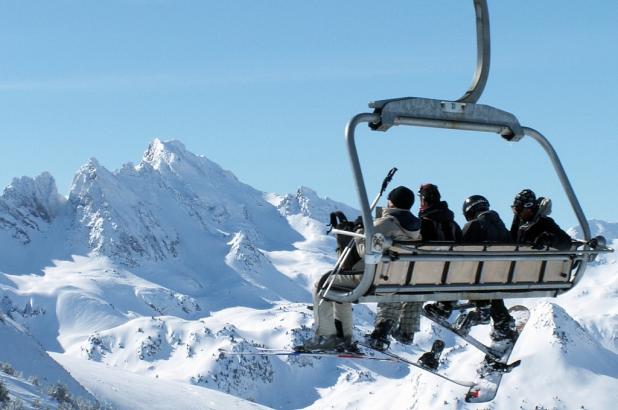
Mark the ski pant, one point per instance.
(498, 309)
(406, 315)
(333, 318)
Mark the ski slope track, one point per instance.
(125, 289)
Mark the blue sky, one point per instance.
(266, 88)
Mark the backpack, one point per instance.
(443, 231)
(338, 220)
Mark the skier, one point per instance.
(401, 320)
(532, 225)
(437, 224)
(437, 220)
(483, 226)
(333, 321)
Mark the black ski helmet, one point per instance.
(525, 199)
(473, 205)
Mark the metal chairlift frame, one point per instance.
(461, 114)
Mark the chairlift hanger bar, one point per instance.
(483, 56)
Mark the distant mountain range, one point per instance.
(141, 275)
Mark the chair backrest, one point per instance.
(510, 268)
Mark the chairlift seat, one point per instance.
(417, 271)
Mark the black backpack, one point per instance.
(339, 221)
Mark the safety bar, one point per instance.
(439, 114)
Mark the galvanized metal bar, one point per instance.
(568, 189)
(454, 296)
(469, 288)
(482, 53)
(454, 125)
(452, 258)
(371, 258)
(564, 180)
(505, 254)
(347, 233)
(538, 254)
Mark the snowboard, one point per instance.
(443, 322)
(491, 370)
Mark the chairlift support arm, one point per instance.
(483, 55)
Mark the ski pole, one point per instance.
(344, 254)
(346, 251)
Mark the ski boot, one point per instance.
(328, 344)
(503, 335)
(439, 309)
(431, 359)
(403, 337)
(504, 330)
(465, 321)
(378, 339)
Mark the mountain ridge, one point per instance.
(151, 269)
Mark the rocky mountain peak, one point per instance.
(560, 328)
(164, 152)
(307, 203)
(38, 197)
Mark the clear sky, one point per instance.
(265, 88)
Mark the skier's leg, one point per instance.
(323, 314)
(499, 312)
(409, 322)
(504, 324)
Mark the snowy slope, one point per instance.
(141, 275)
(124, 390)
(27, 357)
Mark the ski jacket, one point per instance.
(397, 224)
(438, 224)
(486, 227)
(542, 232)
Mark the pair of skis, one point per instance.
(482, 390)
(369, 354)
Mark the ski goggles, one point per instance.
(518, 207)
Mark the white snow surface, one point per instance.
(136, 280)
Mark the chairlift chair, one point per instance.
(400, 272)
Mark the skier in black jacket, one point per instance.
(531, 224)
(437, 221)
(483, 226)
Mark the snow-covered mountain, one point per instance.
(597, 227)
(136, 280)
